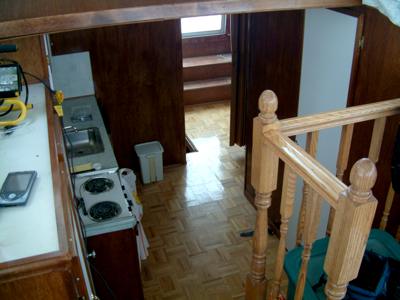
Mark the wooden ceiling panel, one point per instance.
(21, 18)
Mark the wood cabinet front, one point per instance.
(115, 265)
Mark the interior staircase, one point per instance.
(207, 78)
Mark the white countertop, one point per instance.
(29, 230)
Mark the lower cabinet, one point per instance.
(115, 266)
(58, 284)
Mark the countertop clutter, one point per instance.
(29, 230)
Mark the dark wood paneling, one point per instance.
(117, 264)
(137, 70)
(240, 71)
(30, 55)
(275, 43)
(378, 79)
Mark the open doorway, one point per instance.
(207, 65)
(195, 216)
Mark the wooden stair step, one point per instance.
(209, 83)
(191, 62)
(207, 67)
(209, 90)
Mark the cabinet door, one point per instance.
(115, 267)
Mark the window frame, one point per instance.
(200, 34)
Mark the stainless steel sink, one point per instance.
(84, 142)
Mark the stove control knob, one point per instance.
(92, 254)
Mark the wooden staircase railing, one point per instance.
(352, 207)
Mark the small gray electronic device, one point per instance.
(17, 188)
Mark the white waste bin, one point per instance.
(151, 161)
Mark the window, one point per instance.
(203, 26)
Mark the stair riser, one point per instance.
(207, 72)
(205, 95)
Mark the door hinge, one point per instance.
(361, 42)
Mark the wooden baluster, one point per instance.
(388, 206)
(311, 148)
(264, 173)
(351, 227)
(376, 140)
(312, 217)
(287, 202)
(344, 150)
(341, 164)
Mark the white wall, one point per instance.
(329, 39)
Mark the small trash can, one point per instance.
(151, 161)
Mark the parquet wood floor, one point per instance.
(194, 216)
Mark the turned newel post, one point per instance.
(264, 170)
(352, 225)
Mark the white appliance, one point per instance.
(103, 207)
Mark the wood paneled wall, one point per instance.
(273, 61)
(31, 56)
(378, 79)
(137, 71)
(117, 262)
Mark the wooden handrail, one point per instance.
(353, 206)
(316, 175)
(350, 115)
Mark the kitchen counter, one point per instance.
(29, 230)
(41, 243)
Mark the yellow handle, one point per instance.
(19, 104)
(7, 107)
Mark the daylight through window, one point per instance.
(203, 26)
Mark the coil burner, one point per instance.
(98, 185)
(105, 210)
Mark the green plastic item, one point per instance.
(379, 241)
